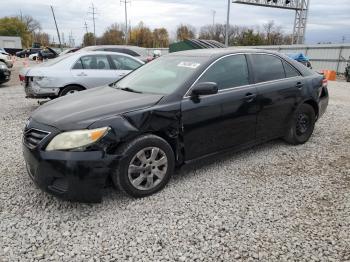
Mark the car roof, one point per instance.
(218, 52)
(113, 46)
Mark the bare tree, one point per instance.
(185, 32)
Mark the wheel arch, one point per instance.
(68, 85)
(314, 105)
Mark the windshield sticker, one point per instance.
(189, 65)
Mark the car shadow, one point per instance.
(187, 171)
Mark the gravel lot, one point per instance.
(274, 202)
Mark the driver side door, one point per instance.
(216, 122)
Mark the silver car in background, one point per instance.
(75, 72)
(135, 51)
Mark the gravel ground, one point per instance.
(274, 202)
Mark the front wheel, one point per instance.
(301, 125)
(147, 165)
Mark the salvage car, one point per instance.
(75, 72)
(6, 59)
(175, 110)
(5, 73)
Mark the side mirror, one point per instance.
(205, 88)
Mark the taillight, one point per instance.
(324, 82)
(21, 78)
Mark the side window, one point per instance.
(95, 62)
(125, 63)
(267, 68)
(290, 71)
(228, 72)
(78, 65)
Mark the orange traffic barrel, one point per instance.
(330, 75)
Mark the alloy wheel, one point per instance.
(303, 124)
(147, 168)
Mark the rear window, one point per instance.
(290, 70)
(122, 50)
(267, 68)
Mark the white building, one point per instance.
(10, 42)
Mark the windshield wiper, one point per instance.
(128, 89)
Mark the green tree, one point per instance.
(88, 39)
(13, 26)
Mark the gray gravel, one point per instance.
(274, 202)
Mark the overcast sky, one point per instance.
(329, 20)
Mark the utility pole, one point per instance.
(125, 2)
(227, 21)
(58, 33)
(343, 39)
(214, 13)
(86, 27)
(93, 18)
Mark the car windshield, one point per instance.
(162, 76)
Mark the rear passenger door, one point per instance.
(92, 71)
(279, 87)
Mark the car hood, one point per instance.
(80, 110)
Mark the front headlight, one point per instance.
(76, 139)
(3, 66)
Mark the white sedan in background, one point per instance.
(75, 72)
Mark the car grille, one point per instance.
(33, 137)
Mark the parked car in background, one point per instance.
(75, 72)
(33, 57)
(347, 71)
(68, 51)
(6, 59)
(27, 52)
(179, 108)
(47, 53)
(3, 51)
(135, 51)
(5, 73)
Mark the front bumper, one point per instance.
(74, 176)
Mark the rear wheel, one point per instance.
(348, 78)
(69, 90)
(146, 167)
(301, 126)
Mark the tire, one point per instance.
(34, 58)
(138, 179)
(70, 90)
(301, 126)
(348, 78)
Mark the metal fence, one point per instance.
(322, 57)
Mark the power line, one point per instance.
(93, 8)
(125, 2)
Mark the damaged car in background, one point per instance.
(75, 72)
(177, 109)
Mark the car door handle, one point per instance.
(82, 74)
(249, 97)
(299, 85)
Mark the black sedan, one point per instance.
(174, 110)
(5, 73)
